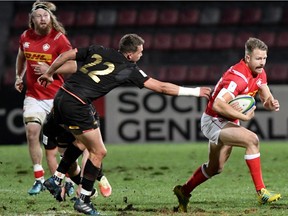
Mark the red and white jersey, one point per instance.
(39, 48)
(238, 79)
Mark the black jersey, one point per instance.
(102, 70)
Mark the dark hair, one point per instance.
(254, 43)
(49, 7)
(130, 43)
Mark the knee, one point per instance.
(99, 153)
(253, 139)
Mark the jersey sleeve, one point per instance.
(138, 77)
(234, 83)
(264, 78)
(21, 40)
(82, 53)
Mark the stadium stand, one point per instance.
(282, 39)
(168, 17)
(106, 17)
(268, 37)
(199, 37)
(85, 18)
(101, 39)
(182, 41)
(127, 17)
(189, 17)
(230, 16)
(67, 17)
(251, 16)
(162, 41)
(80, 41)
(223, 40)
(147, 17)
(241, 38)
(271, 15)
(210, 16)
(203, 40)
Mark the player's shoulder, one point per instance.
(27, 33)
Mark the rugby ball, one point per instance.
(246, 102)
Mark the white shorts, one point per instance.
(36, 110)
(212, 126)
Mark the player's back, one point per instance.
(102, 70)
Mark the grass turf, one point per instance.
(142, 177)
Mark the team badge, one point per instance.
(26, 45)
(46, 47)
(259, 82)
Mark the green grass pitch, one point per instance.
(142, 177)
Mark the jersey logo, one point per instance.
(259, 82)
(232, 86)
(46, 47)
(26, 45)
(32, 56)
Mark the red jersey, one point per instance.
(238, 79)
(45, 48)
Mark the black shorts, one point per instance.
(75, 116)
(54, 135)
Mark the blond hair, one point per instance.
(49, 7)
(254, 43)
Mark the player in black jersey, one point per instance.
(103, 69)
(56, 136)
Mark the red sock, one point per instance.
(196, 179)
(38, 174)
(256, 172)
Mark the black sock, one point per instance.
(100, 173)
(70, 156)
(76, 179)
(89, 177)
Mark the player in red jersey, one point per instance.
(220, 123)
(103, 69)
(39, 45)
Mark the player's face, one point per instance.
(257, 60)
(134, 57)
(42, 21)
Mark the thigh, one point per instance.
(92, 140)
(235, 135)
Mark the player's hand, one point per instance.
(250, 114)
(272, 104)
(45, 80)
(40, 68)
(275, 105)
(19, 84)
(236, 106)
(205, 92)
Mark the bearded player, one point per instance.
(41, 44)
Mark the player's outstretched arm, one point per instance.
(175, 90)
(47, 78)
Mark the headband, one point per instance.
(40, 6)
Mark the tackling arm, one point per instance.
(175, 90)
(47, 78)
